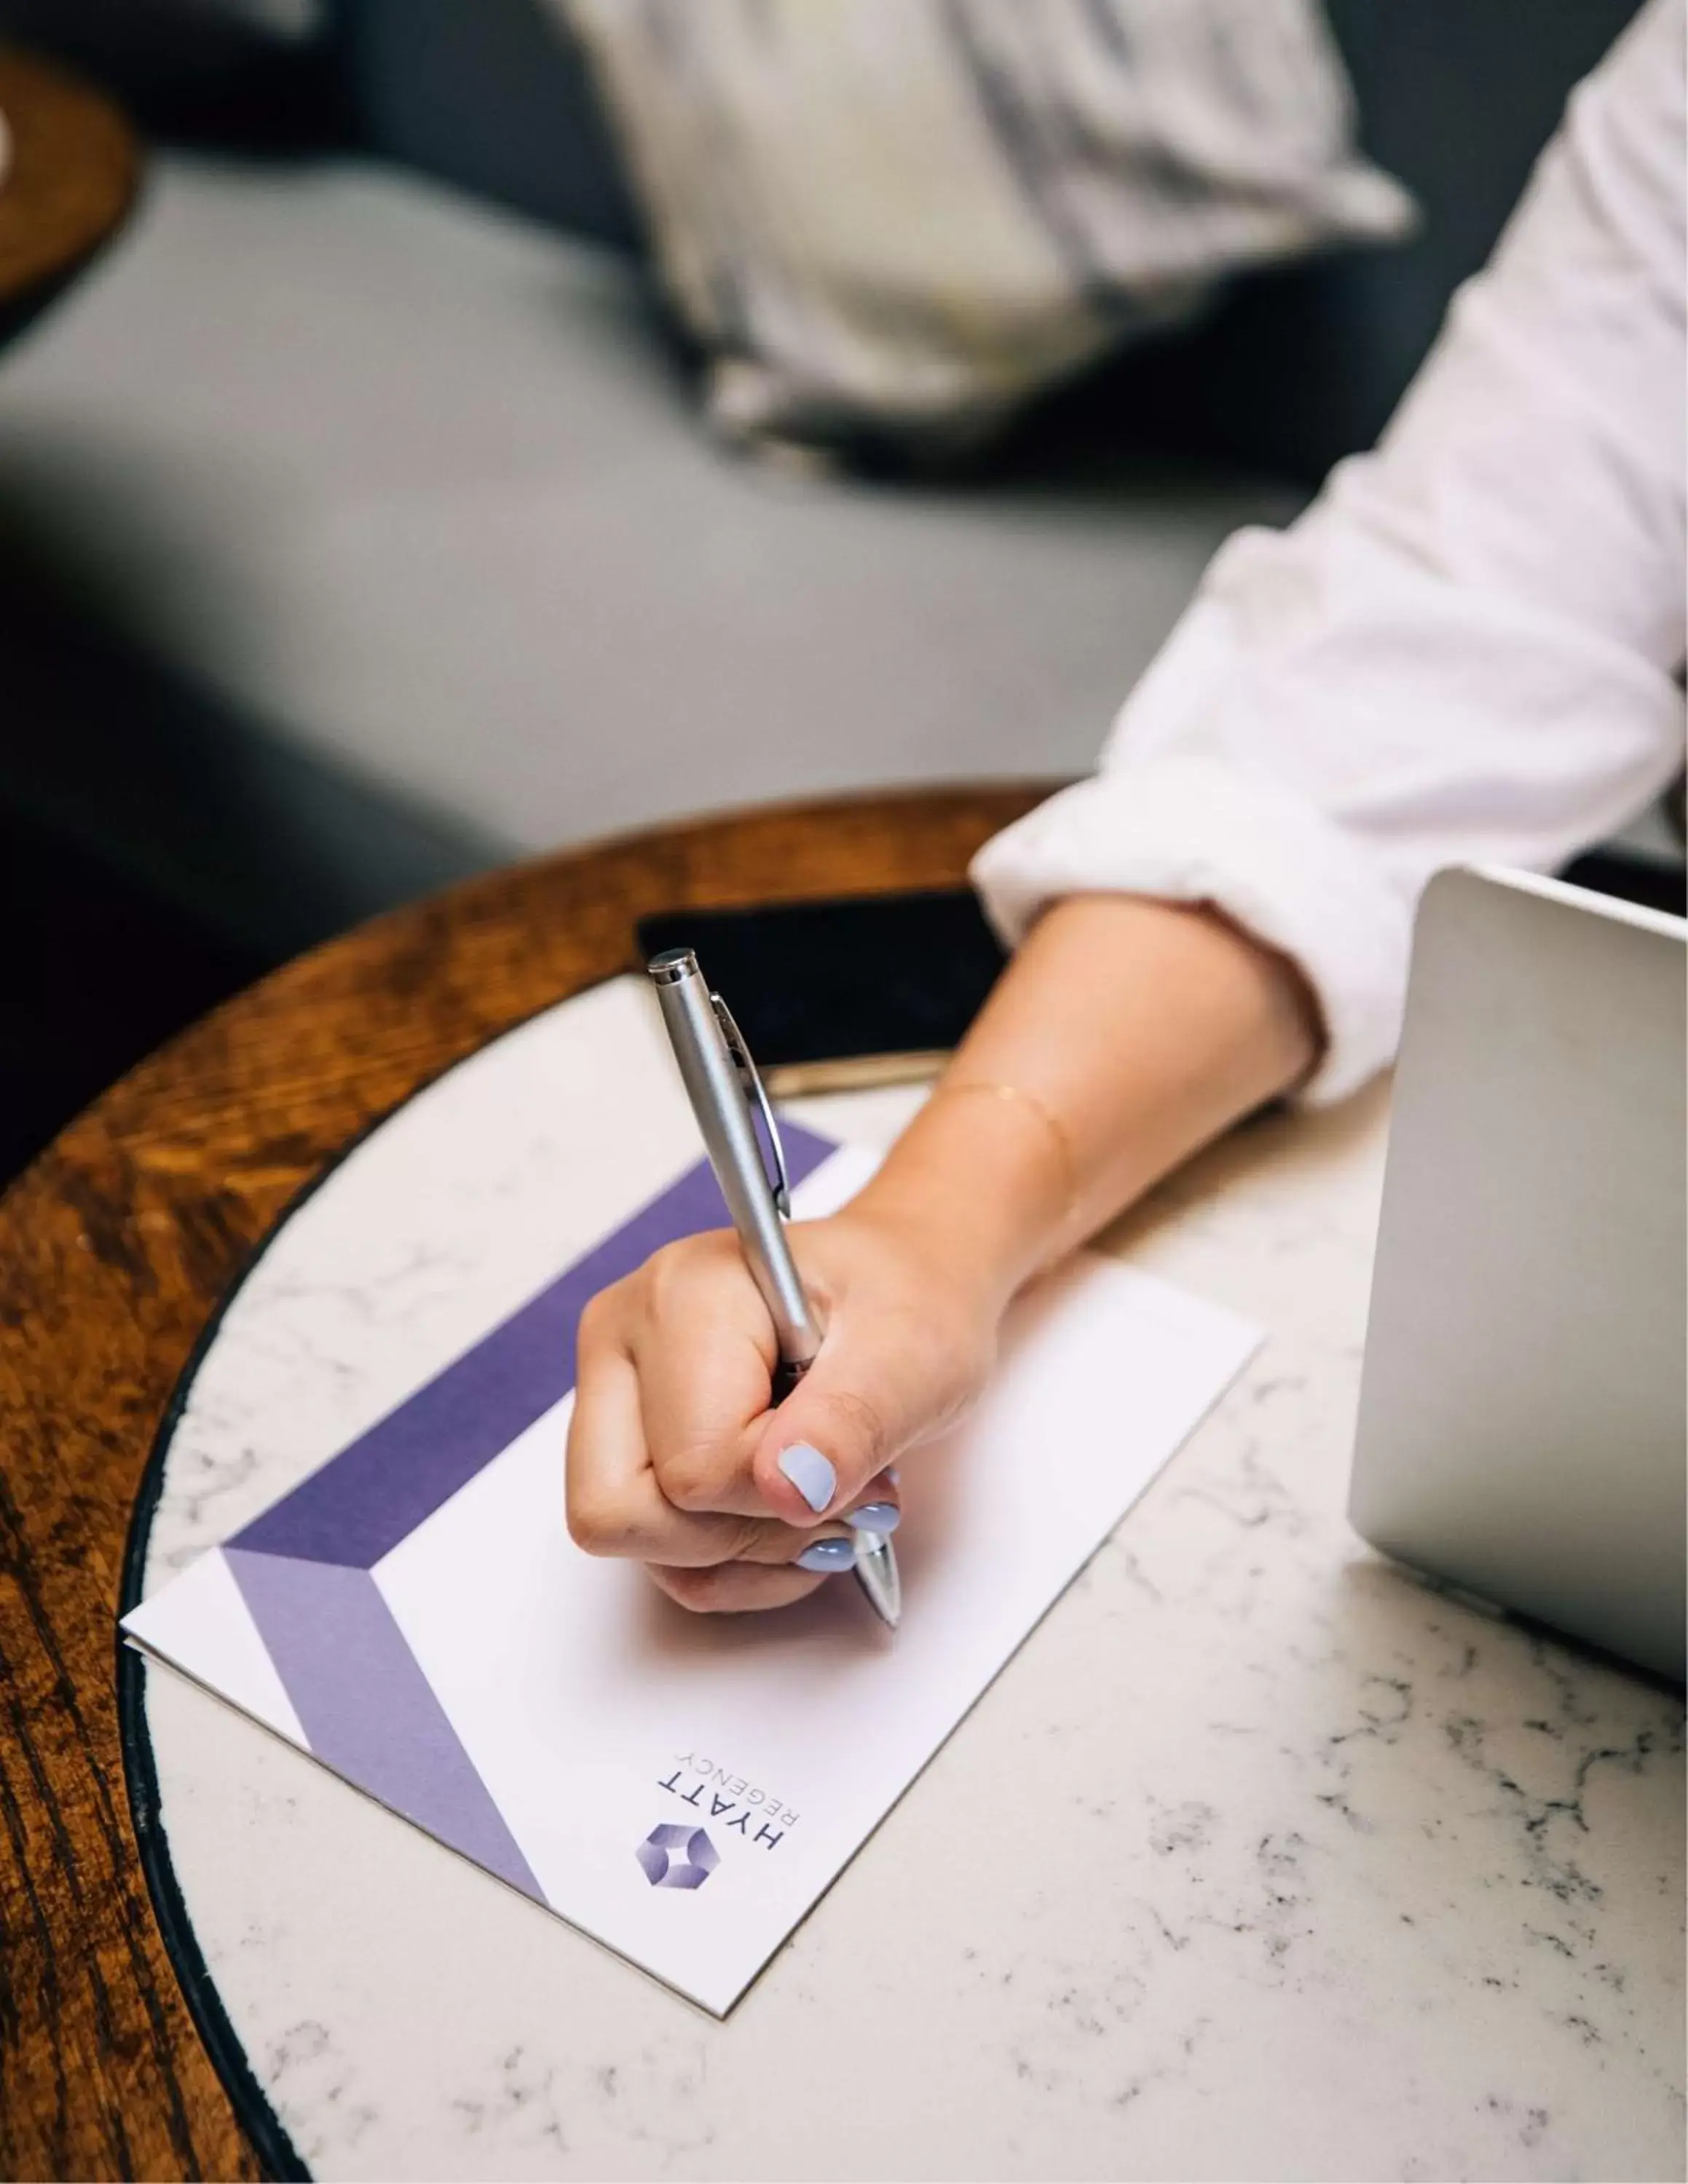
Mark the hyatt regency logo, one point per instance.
(671, 1857)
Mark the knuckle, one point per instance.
(745, 1542)
(600, 1319)
(693, 1478)
(668, 1275)
(690, 1275)
(596, 1528)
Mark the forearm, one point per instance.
(1132, 1033)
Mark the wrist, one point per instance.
(976, 1189)
(906, 1247)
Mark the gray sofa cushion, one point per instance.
(405, 488)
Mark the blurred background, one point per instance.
(370, 514)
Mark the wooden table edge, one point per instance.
(118, 1247)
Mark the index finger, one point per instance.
(703, 1347)
(616, 1505)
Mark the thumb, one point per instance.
(859, 1404)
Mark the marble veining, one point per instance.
(1261, 1859)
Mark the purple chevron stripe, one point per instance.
(366, 1710)
(360, 1504)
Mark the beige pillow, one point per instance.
(907, 216)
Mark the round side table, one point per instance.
(1262, 1859)
(115, 1248)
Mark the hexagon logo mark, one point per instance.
(671, 1857)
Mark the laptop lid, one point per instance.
(1523, 1422)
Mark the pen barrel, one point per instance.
(712, 1082)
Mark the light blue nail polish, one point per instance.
(810, 1473)
(881, 1516)
(828, 1555)
(893, 1474)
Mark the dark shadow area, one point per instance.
(191, 71)
(99, 970)
(140, 838)
(1649, 881)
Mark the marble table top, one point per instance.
(1261, 1859)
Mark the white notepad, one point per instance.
(682, 1788)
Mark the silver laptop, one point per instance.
(1522, 1418)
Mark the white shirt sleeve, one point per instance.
(1469, 649)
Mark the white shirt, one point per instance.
(1469, 649)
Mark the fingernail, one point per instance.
(810, 1473)
(828, 1555)
(880, 1516)
(893, 1474)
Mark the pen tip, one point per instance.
(877, 1574)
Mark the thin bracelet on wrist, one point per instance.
(1054, 1130)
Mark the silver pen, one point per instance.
(726, 1095)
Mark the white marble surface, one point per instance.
(1260, 1860)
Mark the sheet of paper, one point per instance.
(415, 1616)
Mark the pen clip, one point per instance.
(751, 1079)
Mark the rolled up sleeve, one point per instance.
(1193, 829)
(1469, 649)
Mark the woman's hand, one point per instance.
(675, 1457)
(1125, 1034)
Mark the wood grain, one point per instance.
(71, 176)
(115, 1248)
